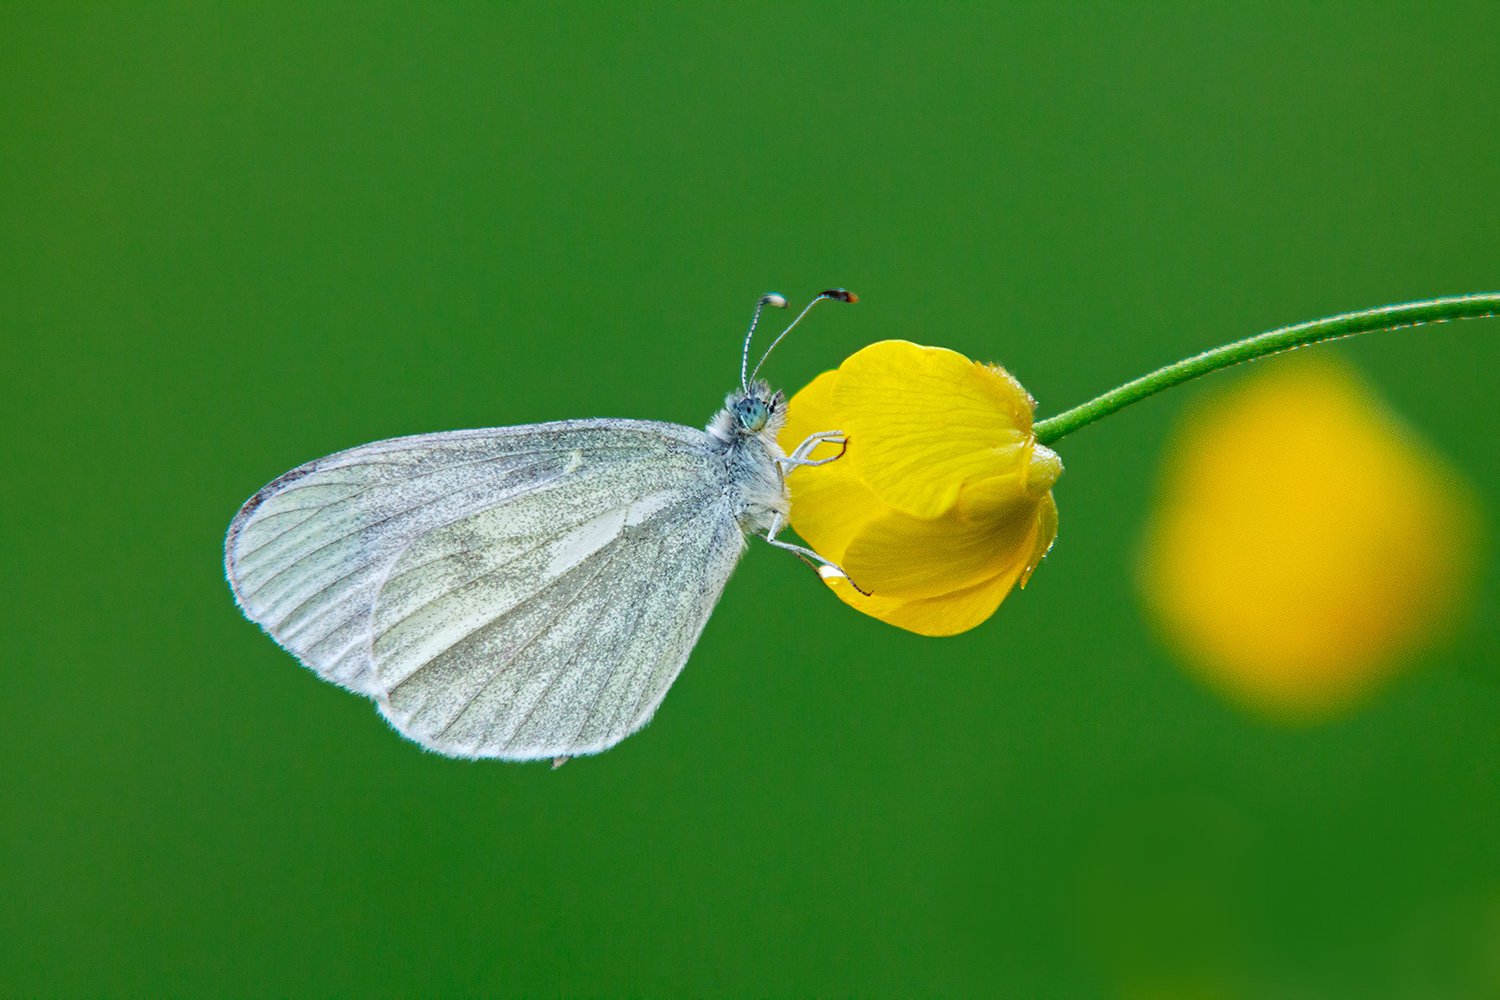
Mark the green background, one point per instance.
(236, 238)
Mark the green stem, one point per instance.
(1370, 321)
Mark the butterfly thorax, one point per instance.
(745, 433)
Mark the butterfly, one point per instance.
(521, 593)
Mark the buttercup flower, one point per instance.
(1305, 541)
(942, 500)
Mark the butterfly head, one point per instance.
(753, 410)
(758, 410)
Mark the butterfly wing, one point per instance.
(520, 592)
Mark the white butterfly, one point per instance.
(518, 592)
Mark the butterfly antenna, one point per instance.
(837, 294)
(768, 299)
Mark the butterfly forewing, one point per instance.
(497, 591)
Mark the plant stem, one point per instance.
(1479, 306)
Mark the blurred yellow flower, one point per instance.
(942, 501)
(1304, 541)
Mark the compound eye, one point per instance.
(752, 414)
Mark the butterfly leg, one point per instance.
(798, 458)
(825, 568)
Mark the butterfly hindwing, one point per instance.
(553, 643)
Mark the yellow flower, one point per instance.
(1305, 541)
(942, 501)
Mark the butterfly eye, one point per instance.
(752, 413)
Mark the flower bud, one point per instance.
(942, 500)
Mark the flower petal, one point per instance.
(900, 556)
(1046, 534)
(945, 614)
(810, 412)
(922, 421)
(829, 503)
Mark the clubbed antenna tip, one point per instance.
(836, 294)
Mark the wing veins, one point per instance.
(551, 681)
(489, 572)
(374, 638)
(556, 450)
(397, 557)
(314, 507)
(382, 520)
(536, 633)
(647, 688)
(360, 492)
(614, 667)
(388, 578)
(490, 623)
